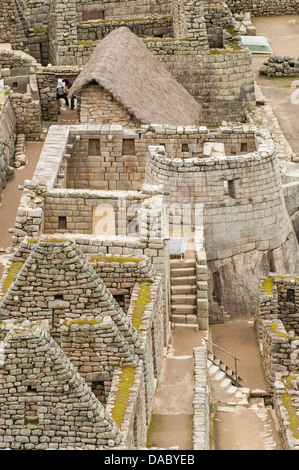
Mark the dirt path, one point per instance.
(252, 426)
(12, 195)
(172, 416)
(282, 34)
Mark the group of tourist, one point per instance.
(63, 87)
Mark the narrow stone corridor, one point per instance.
(173, 405)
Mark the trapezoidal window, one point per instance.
(94, 147)
(185, 148)
(244, 147)
(230, 188)
(62, 224)
(290, 296)
(98, 388)
(128, 146)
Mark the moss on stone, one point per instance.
(122, 395)
(115, 259)
(143, 299)
(291, 409)
(31, 241)
(39, 31)
(268, 285)
(226, 51)
(85, 43)
(273, 329)
(12, 273)
(81, 322)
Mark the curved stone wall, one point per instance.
(247, 228)
(244, 207)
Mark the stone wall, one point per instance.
(113, 160)
(8, 135)
(209, 77)
(280, 67)
(277, 325)
(47, 85)
(264, 7)
(279, 350)
(278, 300)
(159, 26)
(107, 348)
(46, 404)
(201, 272)
(17, 62)
(28, 114)
(146, 314)
(121, 9)
(242, 197)
(17, 70)
(13, 24)
(120, 274)
(287, 408)
(201, 404)
(79, 208)
(97, 337)
(98, 106)
(230, 187)
(128, 390)
(205, 73)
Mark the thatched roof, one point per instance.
(124, 66)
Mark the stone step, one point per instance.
(225, 383)
(187, 289)
(183, 281)
(190, 319)
(186, 263)
(182, 272)
(184, 326)
(183, 309)
(183, 299)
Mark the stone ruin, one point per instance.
(92, 277)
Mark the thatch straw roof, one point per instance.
(124, 66)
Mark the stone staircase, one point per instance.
(183, 294)
(223, 383)
(20, 8)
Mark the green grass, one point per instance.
(140, 304)
(115, 259)
(268, 285)
(12, 273)
(122, 395)
(291, 410)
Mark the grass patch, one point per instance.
(140, 304)
(32, 241)
(12, 273)
(54, 240)
(122, 395)
(79, 322)
(291, 410)
(115, 259)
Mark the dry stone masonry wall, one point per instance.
(8, 134)
(280, 67)
(277, 327)
(52, 407)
